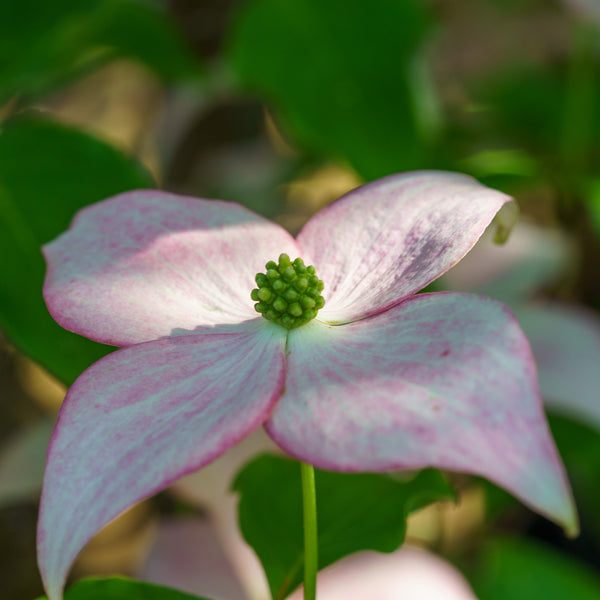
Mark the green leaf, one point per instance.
(523, 107)
(521, 570)
(47, 173)
(592, 202)
(549, 113)
(579, 446)
(140, 30)
(44, 44)
(358, 511)
(119, 588)
(343, 75)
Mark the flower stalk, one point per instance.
(309, 500)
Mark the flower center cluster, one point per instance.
(289, 293)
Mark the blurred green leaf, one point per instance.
(45, 44)
(343, 74)
(497, 500)
(47, 173)
(521, 570)
(592, 201)
(363, 511)
(543, 113)
(579, 446)
(520, 109)
(119, 588)
(489, 163)
(140, 30)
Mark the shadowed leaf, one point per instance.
(47, 173)
(117, 588)
(355, 512)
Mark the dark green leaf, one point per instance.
(341, 73)
(549, 115)
(119, 588)
(139, 30)
(47, 173)
(524, 108)
(521, 570)
(361, 511)
(579, 446)
(43, 44)
(592, 202)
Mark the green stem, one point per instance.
(309, 498)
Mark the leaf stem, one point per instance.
(309, 498)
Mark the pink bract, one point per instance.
(382, 379)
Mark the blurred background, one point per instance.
(283, 106)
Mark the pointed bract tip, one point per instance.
(504, 221)
(571, 528)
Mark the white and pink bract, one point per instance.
(381, 379)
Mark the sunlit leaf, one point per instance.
(342, 74)
(47, 173)
(362, 511)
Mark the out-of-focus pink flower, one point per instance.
(382, 379)
(409, 573)
(515, 270)
(187, 555)
(210, 488)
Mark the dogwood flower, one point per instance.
(380, 379)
